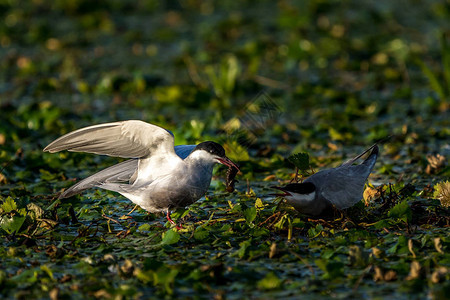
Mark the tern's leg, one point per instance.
(171, 221)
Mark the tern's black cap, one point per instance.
(211, 147)
(300, 188)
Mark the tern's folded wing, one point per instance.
(128, 139)
(342, 186)
(347, 190)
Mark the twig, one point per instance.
(364, 272)
(111, 219)
(80, 234)
(134, 208)
(270, 217)
(270, 82)
(123, 234)
(192, 70)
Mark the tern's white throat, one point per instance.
(301, 198)
(201, 159)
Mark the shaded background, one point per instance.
(336, 76)
(342, 73)
(333, 65)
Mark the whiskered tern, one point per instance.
(340, 187)
(159, 177)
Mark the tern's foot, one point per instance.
(172, 221)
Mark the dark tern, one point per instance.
(340, 187)
(159, 177)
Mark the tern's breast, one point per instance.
(179, 188)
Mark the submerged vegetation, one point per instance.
(321, 78)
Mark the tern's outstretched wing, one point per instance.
(122, 172)
(128, 139)
(343, 186)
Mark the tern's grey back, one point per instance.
(343, 186)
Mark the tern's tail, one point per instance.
(373, 150)
(372, 158)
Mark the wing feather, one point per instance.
(344, 186)
(128, 139)
(122, 172)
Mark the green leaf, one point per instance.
(382, 224)
(170, 237)
(27, 276)
(313, 232)
(259, 205)
(12, 224)
(300, 160)
(271, 281)
(47, 176)
(243, 248)
(250, 214)
(179, 213)
(47, 270)
(144, 227)
(401, 211)
(400, 247)
(165, 277)
(200, 233)
(144, 276)
(331, 269)
(9, 205)
(432, 78)
(280, 224)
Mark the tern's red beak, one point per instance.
(284, 194)
(228, 162)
